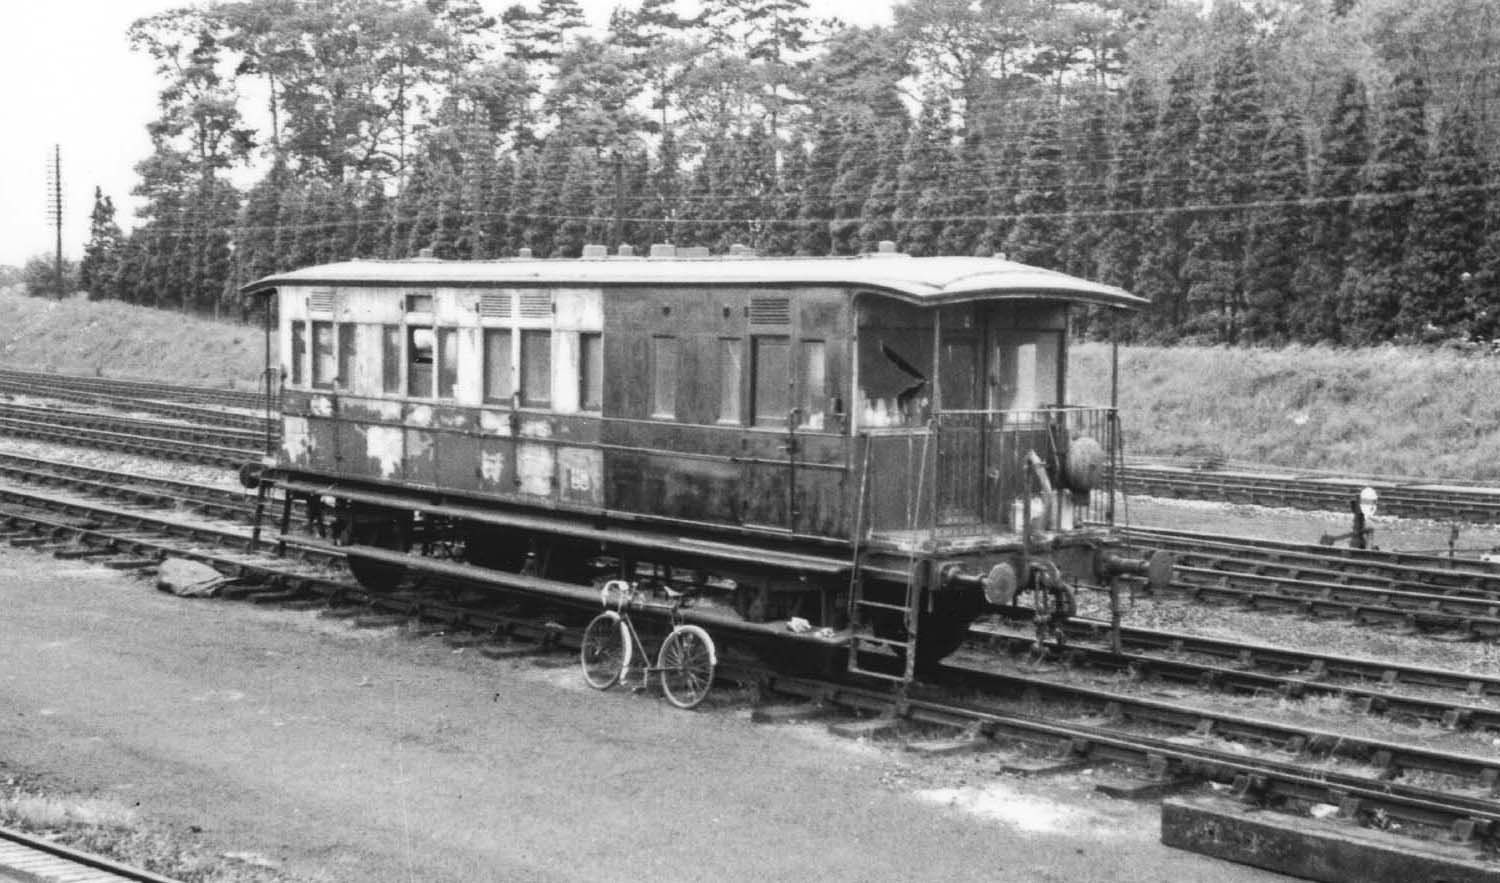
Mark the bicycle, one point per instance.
(685, 662)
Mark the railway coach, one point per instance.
(858, 455)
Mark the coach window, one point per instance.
(1029, 372)
(390, 358)
(770, 375)
(299, 351)
(731, 378)
(419, 358)
(345, 378)
(498, 384)
(664, 377)
(814, 400)
(591, 372)
(447, 362)
(324, 367)
(536, 368)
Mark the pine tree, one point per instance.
(1446, 233)
(1233, 128)
(1273, 235)
(1165, 193)
(1086, 189)
(1120, 243)
(574, 206)
(794, 225)
(965, 192)
(918, 181)
(1040, 205)
(1374, 285)
(878, 215)
(1324, 241)
(101, 256)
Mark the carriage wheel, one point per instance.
(687, 662)
(606, 650)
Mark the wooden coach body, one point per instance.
(882, 416)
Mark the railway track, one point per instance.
(33, 381)
(1450, 699)
(1414, 498)
(31, 857)
(1459, 600)
(1169, 742)
(208, 446)
(225, 417)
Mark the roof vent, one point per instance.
(425, 254)
(1000, 256)
(595, 251)
(524, 254)
(627, 250)
(693, 251)
(663, 250)
(886, 247)
(739, 250)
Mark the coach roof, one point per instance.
(933, 280)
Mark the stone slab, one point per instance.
(1313, 849)
(785, 713)
(1134, 788)
(861, 729)
(1042, 766)
(946, 747)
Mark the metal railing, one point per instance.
(971, 469)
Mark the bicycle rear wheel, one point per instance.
(606, 650)
(687, 661)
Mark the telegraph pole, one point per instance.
(55, 210)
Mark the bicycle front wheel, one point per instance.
(687, 661)
(606, 650)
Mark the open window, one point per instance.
(664, 356)
(390, 359)
(421, 347)
(346, 357)
(1028, 370)
(813, 399)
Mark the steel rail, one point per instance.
(1406, 499)
(35, 857)
(202, 415)
(1166, 759)
(1394, 571)
(1418, 805)
(141, 388)
(1308, 663)
(1369, 700)
(127, 443)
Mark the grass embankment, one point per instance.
(1389, 410)
(113, 339)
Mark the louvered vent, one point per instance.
(770, 311)
(320, 301)
(536, 305)
(494, 305)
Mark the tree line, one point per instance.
(1269, 171)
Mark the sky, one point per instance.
(71, 81)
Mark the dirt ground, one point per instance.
(332, 753)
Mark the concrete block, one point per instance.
(1314, 849)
